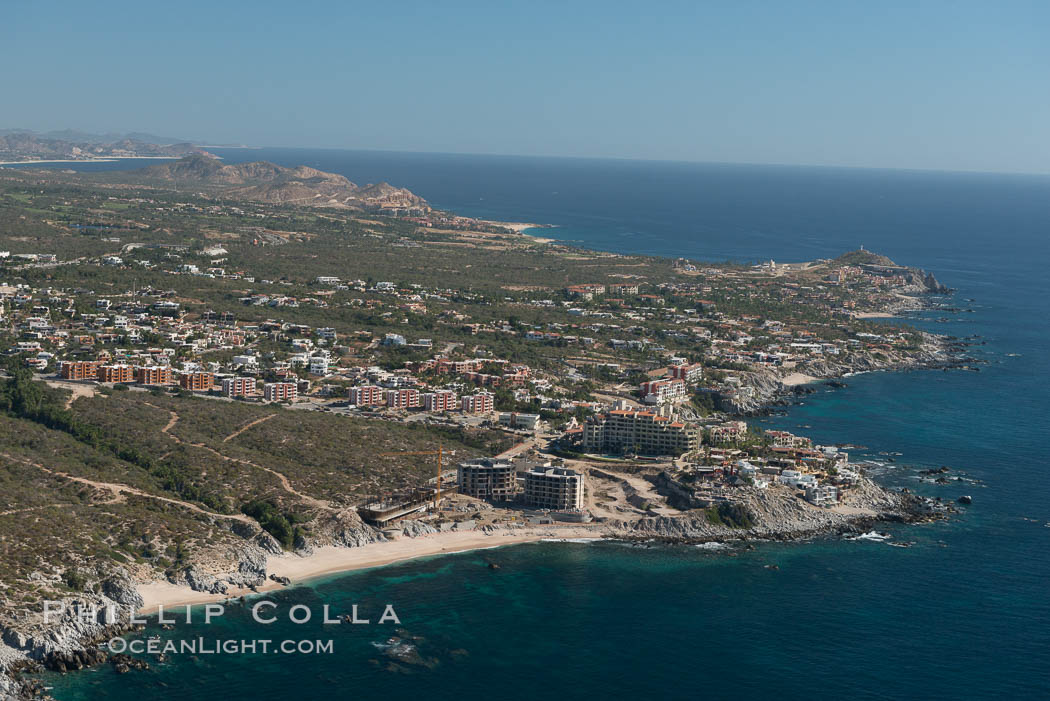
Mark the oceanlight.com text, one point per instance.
(204, 646)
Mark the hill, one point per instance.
(262, 181)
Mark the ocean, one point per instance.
(963, 613)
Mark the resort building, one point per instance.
(729, 432)
(492, 479)
(660, 391)
(689, 373)
(641, 432)
(555, 488)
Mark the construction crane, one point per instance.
(440, 453)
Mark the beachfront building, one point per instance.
(642, 432)
(492, 479)
(555, 488)
(728, 432)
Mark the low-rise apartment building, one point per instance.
(405, 398)
(238, 386)
(79, 370)
(120, 373)
(197, 381)
(280, 391)
(441, 400)
(153, 375)
(369, 395)
(480, 403)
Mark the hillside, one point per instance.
(262, 181)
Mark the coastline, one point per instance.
(523, 228)
(107, 159)
(329, 559)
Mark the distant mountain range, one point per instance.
(262, 181)
(24, 145)
(77, 136)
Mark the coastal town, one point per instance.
(231, 378)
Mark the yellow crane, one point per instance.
(440, 453)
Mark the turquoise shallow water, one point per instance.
(962, 614)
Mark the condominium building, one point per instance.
(487, 478)
(280, 391)
(660, 391)
(122, 374)
(480, 403)
(153, 375)
(405, 398)
(640, 432)
(441, 400)
(369, 395)
(238, 386)
(555, 488)
(728, 432)
(688, 373)
(80, 370)
(197, 381)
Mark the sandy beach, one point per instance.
(873, 315)
(798, 378)
(330, 560)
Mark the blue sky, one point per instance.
(951, 85)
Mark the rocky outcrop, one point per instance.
(777, 514)
(414, 529)
(343, 528)
(762, 388)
